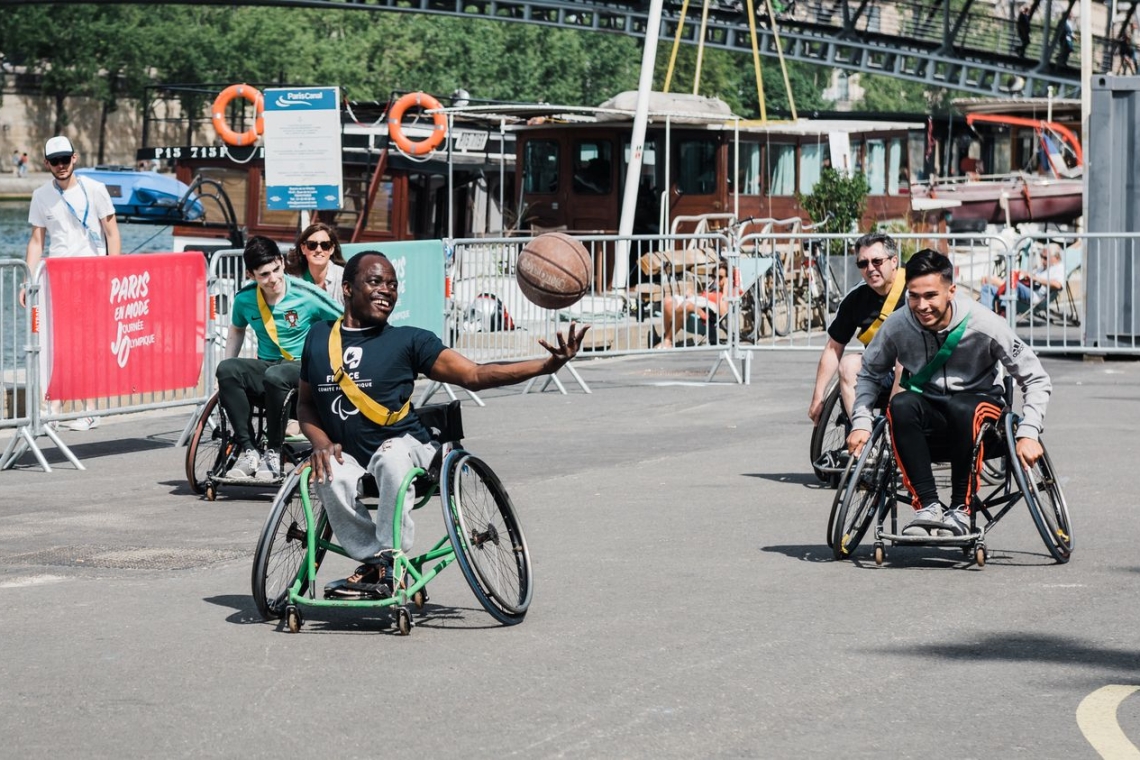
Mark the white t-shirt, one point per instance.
(63, 215)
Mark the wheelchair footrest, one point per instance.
(252, 482)
(965, 540)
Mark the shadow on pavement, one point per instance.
(1017, 646)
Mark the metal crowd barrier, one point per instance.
(787, 285)
(17, 397)
(20, 376)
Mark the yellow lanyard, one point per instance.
(889, 304)
(270, 325)
(368, 406)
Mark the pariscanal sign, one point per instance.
(302, 149)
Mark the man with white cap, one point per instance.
(76, 216)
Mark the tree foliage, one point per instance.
(113, 51)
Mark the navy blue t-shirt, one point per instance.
(384, 362)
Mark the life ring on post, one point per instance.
(396, 131)
(218, 111)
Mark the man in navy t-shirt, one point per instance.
(382, 362)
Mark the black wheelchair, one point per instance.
(871, 490)
(483, 535)
(212, 449)
(828, 447)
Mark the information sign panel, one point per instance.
(303, 148)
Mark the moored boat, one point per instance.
(146, 196)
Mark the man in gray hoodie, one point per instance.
(945, 400)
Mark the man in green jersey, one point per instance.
(280, 309)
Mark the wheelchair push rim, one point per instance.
(487, 538)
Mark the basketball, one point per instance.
(553, 270)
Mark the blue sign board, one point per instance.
(303, 149)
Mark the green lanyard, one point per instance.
(922, 377)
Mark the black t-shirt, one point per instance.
(384, 362)
(857, 311)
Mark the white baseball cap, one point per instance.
(58, 146)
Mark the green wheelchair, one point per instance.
(483, 535)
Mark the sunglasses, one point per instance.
(324, 245)
(875, 262)
(60, 161)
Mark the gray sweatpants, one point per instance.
(353, 526)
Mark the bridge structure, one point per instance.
(967, 45)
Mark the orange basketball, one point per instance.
(553, 270)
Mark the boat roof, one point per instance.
(1064, 109)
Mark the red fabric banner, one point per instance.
(125, 324)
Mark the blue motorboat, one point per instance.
(141, 196)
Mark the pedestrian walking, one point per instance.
(77, 218)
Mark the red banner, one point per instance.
(119, 325)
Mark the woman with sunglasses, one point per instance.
(317, 258)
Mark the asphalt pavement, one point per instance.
(686, 604)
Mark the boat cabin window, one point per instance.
(781, 165)
(645, 214)
(857, 156)
(593, 167)
(540, 166)
(896, 168)
(427, 206)
(748, 170)
(813, 157)
(696, 170)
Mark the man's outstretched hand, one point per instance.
(568, 345)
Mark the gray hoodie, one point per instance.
(972, 368)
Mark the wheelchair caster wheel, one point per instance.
(293, 619)
(980, 556)
(403, 621)
(880, 554)
(420, 599)
(211, 492)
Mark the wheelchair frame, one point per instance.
(872, 480)
(469, 535)
(211, 452)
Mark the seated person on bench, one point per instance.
(357, 414)
(706, 308)
(863, 310)
(949, 350)
(280, 309)
(1032, 289)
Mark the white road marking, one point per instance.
(1096, 717)
(31, 580)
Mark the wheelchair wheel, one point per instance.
(488, 541)
(829, 435)
(778, 300)
(1046, 502)
(281, 549)
(843, 480)
(864, 494)
(211, 447)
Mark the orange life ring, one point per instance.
(218, 111)
(396, 131)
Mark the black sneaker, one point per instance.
(368, 582)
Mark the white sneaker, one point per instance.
(926, 519)
(84, 423)
(246, 465)
(270, 467)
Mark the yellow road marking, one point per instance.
(1096, 717)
